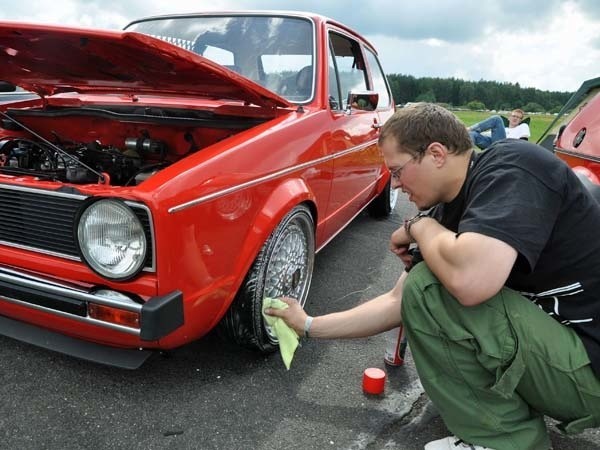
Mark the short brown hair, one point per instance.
(416, 126)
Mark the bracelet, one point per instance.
(307, 324)
(410, 222)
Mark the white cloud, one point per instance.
(558, 57)
(547, 44)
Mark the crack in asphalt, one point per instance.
(360, 291)
(408, 408)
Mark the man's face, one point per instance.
(514, 119)
(409, 174)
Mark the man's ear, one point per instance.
(439, 153)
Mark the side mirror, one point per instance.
(5, 86)
(362, 100)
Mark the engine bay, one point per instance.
(74, 163)
(115, 146)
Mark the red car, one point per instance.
(576, 133)
(172, 175)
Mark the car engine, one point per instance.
(82, 162)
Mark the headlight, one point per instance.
(111, 239)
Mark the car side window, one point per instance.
(380, 84)
(349, 63)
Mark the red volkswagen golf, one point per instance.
(168, 177)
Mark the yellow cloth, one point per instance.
(288, 338)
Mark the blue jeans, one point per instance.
(493, 123)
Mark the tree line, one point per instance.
(501, 96)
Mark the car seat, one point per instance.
(304, 82)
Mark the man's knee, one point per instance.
(415, 288)
(479, 139)
(420, 276)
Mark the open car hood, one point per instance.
(49, 60)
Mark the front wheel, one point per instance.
(383, 205)
(283, 267)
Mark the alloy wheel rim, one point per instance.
(289, 270)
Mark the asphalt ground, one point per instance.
(211, 395)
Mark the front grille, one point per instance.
(43, 221)
(38, 221)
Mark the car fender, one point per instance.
(282, 199)
(383, 179)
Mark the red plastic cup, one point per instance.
(373, 380)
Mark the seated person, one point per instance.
(515, 129)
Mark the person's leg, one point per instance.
(494, 369)
(480, 140)
(493, 124)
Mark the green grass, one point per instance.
(538, 124)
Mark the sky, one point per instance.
(546, 44)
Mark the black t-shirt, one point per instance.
(525, 196)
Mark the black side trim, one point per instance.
(161, 316)
(577, 154)
(89, 351)
(45, 299)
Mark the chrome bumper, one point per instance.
(159, 316)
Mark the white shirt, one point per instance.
(518, 132)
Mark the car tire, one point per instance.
(383, 205)
(283, 267)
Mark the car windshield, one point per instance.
(275, 52)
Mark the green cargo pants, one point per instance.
(494, 370)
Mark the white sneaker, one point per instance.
(453, 443)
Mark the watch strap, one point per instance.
(408, 223)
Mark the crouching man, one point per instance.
(502, 314)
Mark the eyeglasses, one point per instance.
(396, 173)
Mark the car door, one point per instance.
(379, 84)
(353, 142)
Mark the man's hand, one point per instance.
(294, 316)
(399, 245)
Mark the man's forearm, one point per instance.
(373, 317)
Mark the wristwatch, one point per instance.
(410, 222)
(307, 325)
